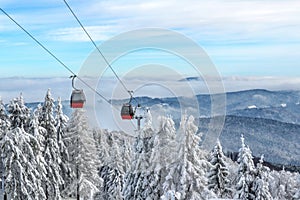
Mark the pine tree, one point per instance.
(4, 127)
(51, 151)
(245, 173)
(23, 180)
(136, 179)
(297, 194)
(19, 114)
(187, 175)
(171, 195)
(126, 152)
(297, 187)
(61, 121)
(38, 132)
(260, 184)
(36, 129)
(112, 174)
(4, 120)
(287, 185)
(82, 157)
(276, 185)
(162, 155)
(218, 175)
(102, 146)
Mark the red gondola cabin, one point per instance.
(77, 99)
(127, 111)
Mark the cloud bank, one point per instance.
(34, 89)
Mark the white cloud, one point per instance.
(34, 89)
(76, 34)
(237, 34)
(218, 17)
(203, 20)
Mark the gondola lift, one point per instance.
(77, 97)
(127, 111)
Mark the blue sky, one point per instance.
(243, 38)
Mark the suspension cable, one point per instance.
(55, 57)
(61, 62)
(106, 61)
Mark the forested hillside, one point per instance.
(46, 155)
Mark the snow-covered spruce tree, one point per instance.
(297, 188)
(61, 121)
(277, 186)
(4, 127)
(51, 151)
(171, 195)
(161, 155)
(38, 132)
(126, 152)
(186, 176)
(111, 171)
(82, 157)
(260, 184)
(19, 114)
(297, 194)
(218, 173)
(287, 184)
(4, 120)
(245, 173)
(171, 183)
(136, 179)
(102, 147)
(164, 153)
(23, 180)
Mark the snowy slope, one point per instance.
(278, 141)
(251, 103)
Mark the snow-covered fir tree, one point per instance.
(38, 132)
(114, 150)
(171, 195)
(260, 183)
(297, 187)
(61, 121)
(162, 154)
(51, 151)
(276, 185)
(297, 194)
(23, 180)
(102, 146)
(245, 173)
(4, 120)
(187, 175)
(136, 179)
(37, 147)
(82, 157)
(126, 152)
(218, 173)
(111, 171)
(19, 114)
(286, 183)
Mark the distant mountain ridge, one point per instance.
(278, 141)
(269, 120)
